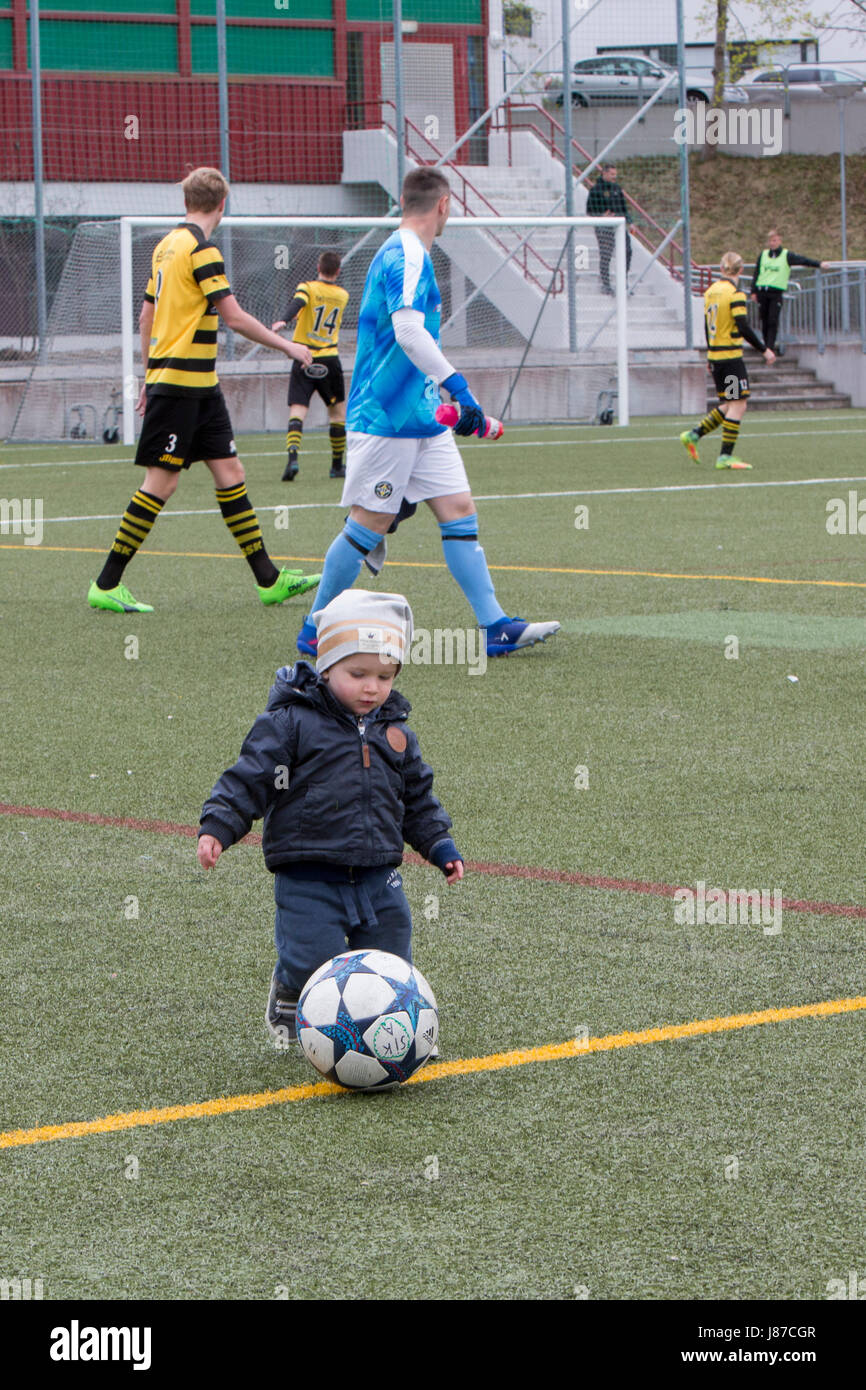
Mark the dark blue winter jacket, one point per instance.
(332, 788)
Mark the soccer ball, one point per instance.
(367, 1020)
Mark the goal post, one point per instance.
(507, 317)
(513, 244)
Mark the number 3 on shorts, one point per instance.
(170, 446)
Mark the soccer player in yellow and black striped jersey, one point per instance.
(185, 416)
(727, 328)
(317, 308)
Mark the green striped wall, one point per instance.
(295, 53)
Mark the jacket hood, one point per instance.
(301, 684)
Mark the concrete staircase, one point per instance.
(786, 386)
(522, 191)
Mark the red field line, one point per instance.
(573, 878)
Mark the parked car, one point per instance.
(629, 77)
(800, 77)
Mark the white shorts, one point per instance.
(381, 471)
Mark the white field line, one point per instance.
(500, 446)
(720, 491)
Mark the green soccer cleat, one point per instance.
(727, 461)
(689, 440)
(116, 600)
(289, 584)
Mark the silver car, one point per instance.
(629, 77)
(799, 77)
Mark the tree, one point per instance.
(777, 17)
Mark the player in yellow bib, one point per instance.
(727, 328)
(317, 310)
(185, 416)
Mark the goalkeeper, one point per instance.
(398, 454)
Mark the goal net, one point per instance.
(524, 317)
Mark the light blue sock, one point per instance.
(343, 560)
(468, 565)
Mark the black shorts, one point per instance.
(325, 375)
(732, 379)
(179, 430)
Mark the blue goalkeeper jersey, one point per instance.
(389, 395)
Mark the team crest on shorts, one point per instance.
(383, 490)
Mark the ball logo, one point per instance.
(383, 489)
(391, 1040)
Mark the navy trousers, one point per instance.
(316, 920)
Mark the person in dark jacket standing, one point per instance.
(606, 199)
(770, 280)
(338, 776)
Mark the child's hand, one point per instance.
(209, 851)
(454, 871)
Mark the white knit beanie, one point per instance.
(361, 620)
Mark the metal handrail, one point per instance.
(828, 307)
(699, 280)
(558, 279)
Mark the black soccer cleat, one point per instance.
(290, 472)
(282, 1012)
(337, 470)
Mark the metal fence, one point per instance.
(823, 307)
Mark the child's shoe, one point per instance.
(282, 1012)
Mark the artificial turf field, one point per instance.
(560, 1148)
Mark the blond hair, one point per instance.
(204, 190)
(731, 263)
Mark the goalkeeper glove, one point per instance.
(472, 419)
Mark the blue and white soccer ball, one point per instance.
(367, 1019)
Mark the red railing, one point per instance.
(552, 136)
(531, 264)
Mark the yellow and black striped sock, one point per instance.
(710, 422)
(730, 430)
(240, 518)
(337, 435)
(293, 435)
(134, 530)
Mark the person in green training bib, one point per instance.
(770, 280)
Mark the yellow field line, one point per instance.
(437, 565)
(463, 1066)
